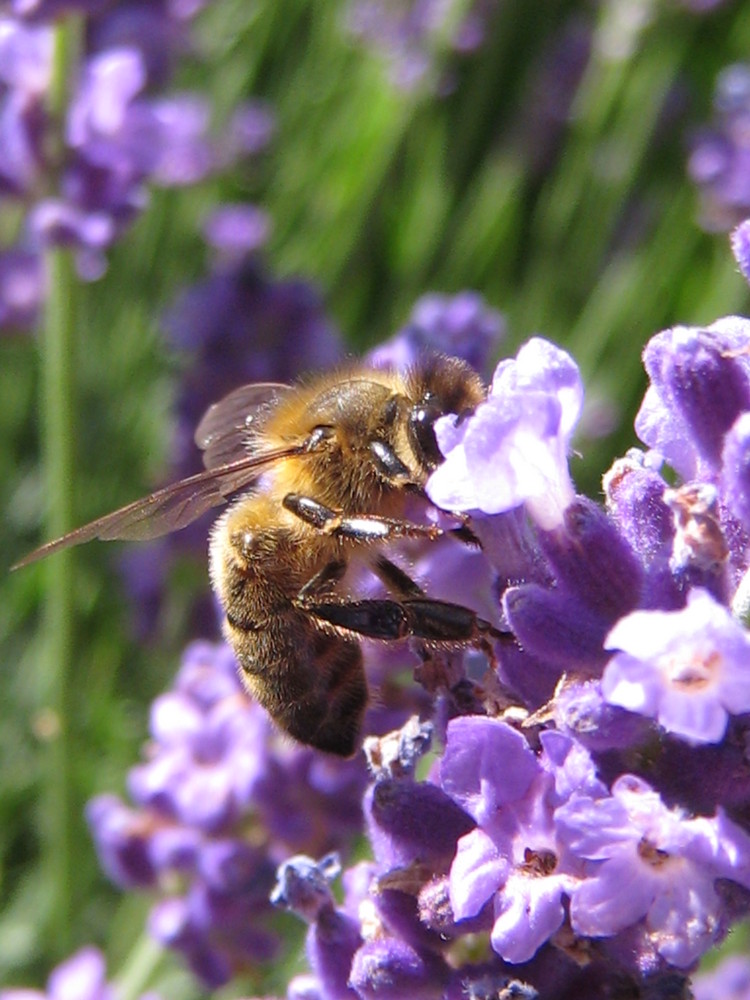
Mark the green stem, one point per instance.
(57, 448)
(140, 968)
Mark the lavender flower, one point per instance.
(513, 858)
(580, 830)
(118, 136)
(652, 863)
(719, 160)
(686, 668)
(514, 449)
(700, 384)
(82, 976)
(304, 887)
(218, 801)
(411, 33)
(460, 325)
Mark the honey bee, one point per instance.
(328, 466)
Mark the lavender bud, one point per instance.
(389, 969)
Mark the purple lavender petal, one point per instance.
(571, 766)
(486, 764)
(248, 132)
(22, 289)
(462, 326)
(83, 976)
(729, 980)
(21, 131)
(555, 627)
(618, 895)
(685, 921)
(735, 469)
(477, 872)
(184, 154)
(514, 448)
(25, 56)
(528, 912)
(332, 942)
(409, 821)
(122, 840)
(110, 83)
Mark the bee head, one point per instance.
(442, 385)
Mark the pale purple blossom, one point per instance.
(652, 863)
(514, 448)
(409, 34)
(688, 669)
(512, 858)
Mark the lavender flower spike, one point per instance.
(514, 448)
(687, 668)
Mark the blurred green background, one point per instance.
(583, 229)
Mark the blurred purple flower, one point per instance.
(83, 976)
(411, 35)
(220, 799)
(236, 230)
(729, 980)
(461, 325)
(22, 289)
(720, 159)
(119, 135)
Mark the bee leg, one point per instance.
(394, 578)
(332, 572)
(421, 617)
(367, 528)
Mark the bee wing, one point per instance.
(226, 427)
(171, 507)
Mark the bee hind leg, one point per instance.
(418, 616)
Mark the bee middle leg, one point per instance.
(358, 528)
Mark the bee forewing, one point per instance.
(171, 507)
(226, 427)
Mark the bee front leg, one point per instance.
(365, 528)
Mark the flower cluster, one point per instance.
(81, 182)
(585, 818)
(219, 800)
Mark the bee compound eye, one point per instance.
(422, 425)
